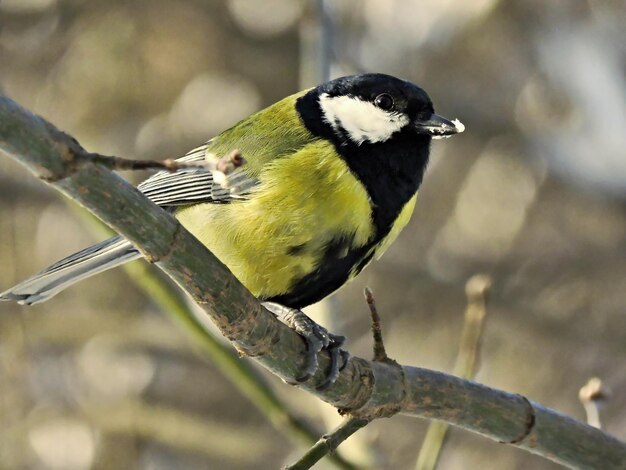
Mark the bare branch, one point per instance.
(380, 354)
(592, 395)
(365, 389)
(226, 164)
(328, 443)
(476, 290)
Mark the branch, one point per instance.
(328, 443)
(365, 389)
(380, 354)
(592, 395)
(466, 363)
(226, 164)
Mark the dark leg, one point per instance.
(317, 338)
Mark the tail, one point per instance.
(64, 273)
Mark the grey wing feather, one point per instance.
(62, 274)
(188, 186)
(196, 185)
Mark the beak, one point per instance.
(438, 127)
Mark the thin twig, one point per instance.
(226, 164)
(592, 395)
(476, 290)
(328, 443)
(380, 354)
(229, 163)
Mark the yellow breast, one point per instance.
(274, 238)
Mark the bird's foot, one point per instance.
(316, 338)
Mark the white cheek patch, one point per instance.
(361, 120)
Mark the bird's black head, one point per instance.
(371, 109)
(382, 127)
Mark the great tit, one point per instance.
(329, 179)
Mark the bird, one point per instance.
(296, 199)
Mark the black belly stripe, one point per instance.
(338, 262)
(390, 171)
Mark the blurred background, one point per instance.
(533, 193)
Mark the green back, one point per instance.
(271, 133)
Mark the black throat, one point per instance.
(390, 171)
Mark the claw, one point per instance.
(316, 338)
(336, 353)
(345, 357)
(313, 346)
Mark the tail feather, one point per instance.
(64, 273)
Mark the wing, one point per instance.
(196, 185)
(275, 132)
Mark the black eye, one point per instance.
(384, 101)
